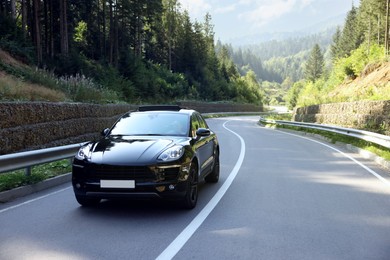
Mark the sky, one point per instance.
(233, 19)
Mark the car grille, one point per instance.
(139, 173)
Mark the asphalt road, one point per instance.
(280, 196)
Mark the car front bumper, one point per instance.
(166, 181)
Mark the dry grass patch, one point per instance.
(15, 89)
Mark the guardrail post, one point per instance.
(28, 171)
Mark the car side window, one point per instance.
(202, 123)
(194, 125)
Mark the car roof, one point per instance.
(164, 108)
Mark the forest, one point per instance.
(311, 69)
(276, 60)
(151, 51)
(119, 51)
(358, 48)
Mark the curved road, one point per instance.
(280, 196)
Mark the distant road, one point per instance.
(279, 109)
(280, 196)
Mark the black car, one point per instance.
(153, 152)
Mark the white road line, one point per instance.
(30, 201)
(186, 234)
(386, 182)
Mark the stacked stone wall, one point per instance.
(29, 125)
(368, 115)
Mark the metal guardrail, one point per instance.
(25, 160)
(382, 140)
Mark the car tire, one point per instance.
(87, 202)
(191, 196)
(213, 177)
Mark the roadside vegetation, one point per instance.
(359, 61)
(12, 88)
(345, 82)
(14, 179)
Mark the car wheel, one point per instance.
(87, 202)
(213, 177)
(191, 196)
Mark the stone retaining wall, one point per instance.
(368, 115)
(35, 125)
(32, 125)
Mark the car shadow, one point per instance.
(149, 208)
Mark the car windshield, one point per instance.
(144, 123)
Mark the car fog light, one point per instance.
(78, 185)
(160, 188)
(171, 187)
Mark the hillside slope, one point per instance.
(6, 58)
(13, 88)
(374, 82)
(374, 74)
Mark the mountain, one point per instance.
(329, 24)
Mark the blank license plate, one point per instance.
(117, 184)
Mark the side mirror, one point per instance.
(203, 132)
(105, 132)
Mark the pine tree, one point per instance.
(372, 20)
(315, 64)
(335, 47)
(352, 35)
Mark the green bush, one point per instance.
(353, 65)
(311, 94)
(82, 89)
(294, 93)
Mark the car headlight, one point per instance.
(171, 154)
(84, 152)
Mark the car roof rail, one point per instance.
(159, 108)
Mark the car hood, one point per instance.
(129, 150)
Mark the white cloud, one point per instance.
(265, 11)
(305, 3)
(196, 8)
(226, 9)
(245, 2)
(243, 17)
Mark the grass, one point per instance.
(16, 89)
(284, 116)
(27, 84)
(14, 179)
